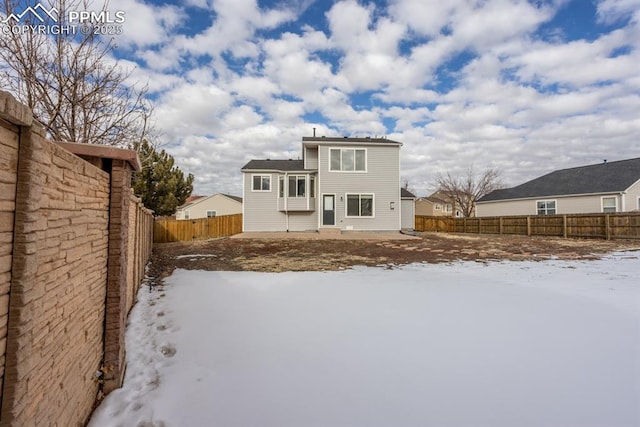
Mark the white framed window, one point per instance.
(281, 186)
(546, 207)
(261, 183)
(347, 160)
(360, 205)
(186, 214)
(438, 207)
(297, 186)
(312, 186)
(610, 204)
(211, 214)
(448, 208)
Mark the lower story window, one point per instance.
(359, 205)
(546, 207)
(609, 205)
(211, 214)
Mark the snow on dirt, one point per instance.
(554, 343)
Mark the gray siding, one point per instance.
(303, 221)
(382, 179)
(408, 214)
(260, 209)
(310, 158)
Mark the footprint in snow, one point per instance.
(168, 350)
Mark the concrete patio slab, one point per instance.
(314, 235)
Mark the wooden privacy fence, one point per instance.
(184, 230)
(605, 226)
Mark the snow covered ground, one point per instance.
(552, 343)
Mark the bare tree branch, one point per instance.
(72, 83)
(465, 189)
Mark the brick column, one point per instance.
(116, 312)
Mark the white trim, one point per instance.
(373, 205)
(305, 186)
(615, 199)
(335, 210)
(547, 201)
(262, 176)
(366, 159)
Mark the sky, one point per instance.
(527, 87)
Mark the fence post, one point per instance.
(528, 226)
(501, 226)
(479, 225)
(607, 227)
(464, 225)
(564, 226)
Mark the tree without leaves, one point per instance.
(161, 185)
(71, 82)
(466, 189)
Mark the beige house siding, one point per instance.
(564, 205)
(219, 203)
(382, 179)
(632, 198)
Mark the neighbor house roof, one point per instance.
(199, 199)
(278, 165)
(607, 177)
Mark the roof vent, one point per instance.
(268, 159)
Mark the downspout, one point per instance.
(286, 199)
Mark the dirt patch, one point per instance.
(276, 255)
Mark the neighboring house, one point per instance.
(341, 183)
(606, 187)
(407, 209)
(210, 206)
(436, 205)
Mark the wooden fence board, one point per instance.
(173, 230)
(604, 226)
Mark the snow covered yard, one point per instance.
(553, 343)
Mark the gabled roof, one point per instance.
(607, 177)
(406, 194)
(277, 165)
(204, 198)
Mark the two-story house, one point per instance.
(340, 183)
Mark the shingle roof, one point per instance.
(279, 165)
(404, 193)
(608, 177)
(338, 139)
(236, 198)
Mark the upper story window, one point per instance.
(609, 204)
(546, 207)
(347, 159)
(261, 183)
(438, 207)
(297, 185)
(211, 214)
